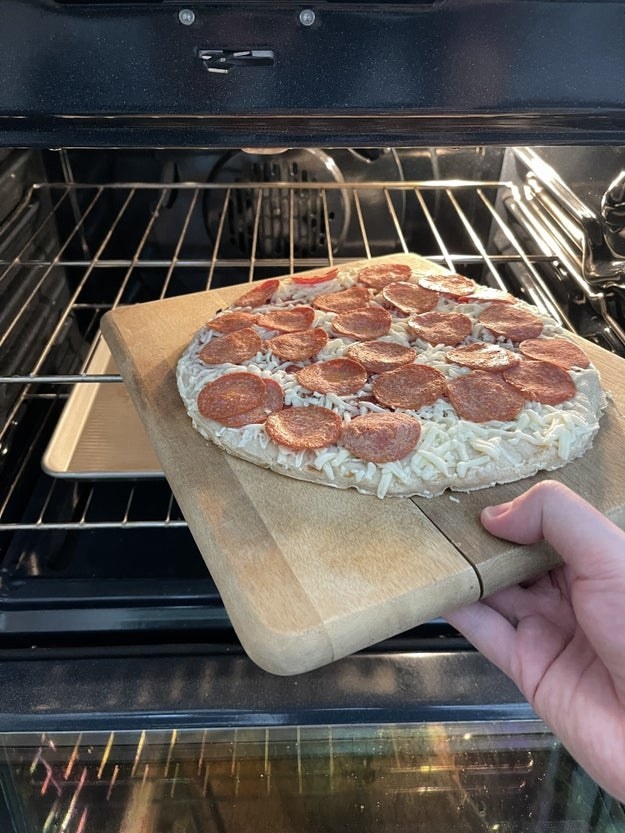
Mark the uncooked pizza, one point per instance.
(391, 376)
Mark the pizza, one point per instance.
(391, 376)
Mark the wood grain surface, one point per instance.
(597, 476)
(309, 573)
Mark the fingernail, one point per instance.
(492, 512)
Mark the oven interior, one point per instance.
(96, 560)
(87, 521)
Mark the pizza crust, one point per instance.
(452, 453)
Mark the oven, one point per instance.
(154, 149)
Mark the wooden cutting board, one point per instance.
(309, 573)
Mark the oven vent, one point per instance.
(278, 222)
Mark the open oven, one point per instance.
(152, 149)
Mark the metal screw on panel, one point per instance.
(307, 17)
(186, 17)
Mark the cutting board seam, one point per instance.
(454, 545)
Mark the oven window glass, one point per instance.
(478, 776)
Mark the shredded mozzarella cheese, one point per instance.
(450, 449)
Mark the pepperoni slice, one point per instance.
(363, 324)
(287, 320)
(231, 395)
(380, 356)
(379, 275)
(413, 386)
(339, 376)
(235, 347)
(229, 322)
(512, 322)
(312, 280)
(310, 426)
(258, 294)
(410, 297)
(456, 285)
(381, 438)
(483, 356)
(559, 351)
(481, 397)
(296, 347)
(541, 382)
(347, 299)
(274, 401)
(441, 327)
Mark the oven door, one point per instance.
(182, 741)
(435, 777)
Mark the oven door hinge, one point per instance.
(223, 60)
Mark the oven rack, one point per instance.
(488, 229)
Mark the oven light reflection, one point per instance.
(440, 777)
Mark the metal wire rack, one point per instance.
(91, 247)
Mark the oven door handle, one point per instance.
(222, 61)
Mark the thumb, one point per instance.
(586, 540)
(593, 550)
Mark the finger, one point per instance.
(524, 653)
(513, 603)
(543, 599)
(593, 549)
(583, 537)
(489, 631)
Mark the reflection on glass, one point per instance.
(499, 777)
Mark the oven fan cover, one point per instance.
(290, 221)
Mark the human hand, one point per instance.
(561, 638)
